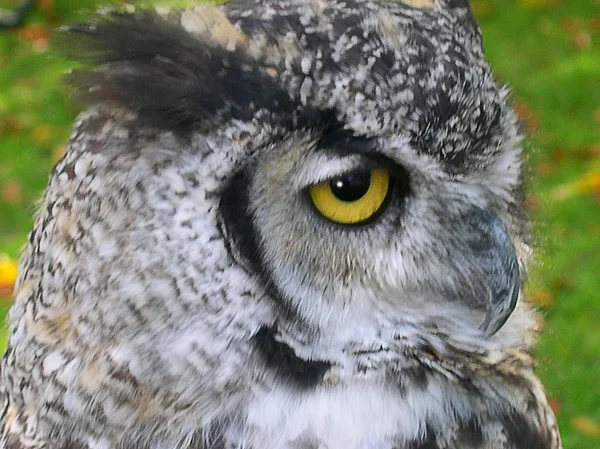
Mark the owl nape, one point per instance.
(283, 224)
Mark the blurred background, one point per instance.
(547, 51)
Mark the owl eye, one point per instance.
(353, 198)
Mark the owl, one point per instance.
(282, 224)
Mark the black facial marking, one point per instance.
(470, 434)
(237, 222)
(427, 441)
(210, 438)
(335, 137)
(283, 360)
(520, 431)
(416, 377)
(241, 237)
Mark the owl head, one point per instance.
(331, 174)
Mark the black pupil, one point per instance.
(351, 187)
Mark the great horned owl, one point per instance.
(281, 224)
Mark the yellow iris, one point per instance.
(352, 200)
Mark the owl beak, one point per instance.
(496, 256)
(500, 308)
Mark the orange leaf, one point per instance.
(562, 283)
(586, 184)
(582, 39)
(11, 124)
(571, 24)
(46, 5)
(527, 115)
(8, 274)
(586, 425)
(43, 133)
(11, 192)
(546, 168)
(554, 404)
(58, 153)
(532, 201)
(541, 298)
(559, 155)
(36, 34)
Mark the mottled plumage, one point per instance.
(181, 287)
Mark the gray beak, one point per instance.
(496, 257)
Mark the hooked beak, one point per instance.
(496, 256)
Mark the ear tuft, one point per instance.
(170, 77)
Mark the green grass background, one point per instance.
(547, 51)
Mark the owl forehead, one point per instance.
(380, 69)
(385, 68)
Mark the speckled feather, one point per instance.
(177, 290)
